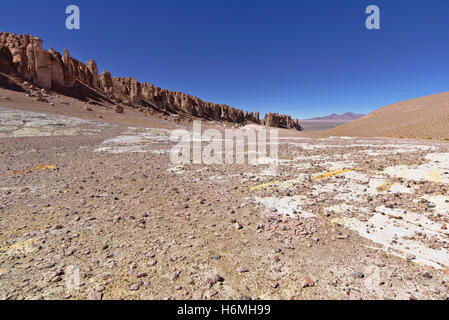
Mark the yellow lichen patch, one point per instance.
(338, 221)
(332, 174)
(44, 167)
(18, 248)
(40, 167)
(434, 175)
(384, 187)
(262, 186)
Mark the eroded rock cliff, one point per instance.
(23, 56)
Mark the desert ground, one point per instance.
(94, 194)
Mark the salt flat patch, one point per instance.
(293, 138)
(135, 140)
(176, 170)
(375, 153)
(375, 147)
(342, 138)
(45, 132)
(9, 128)
(125, 139)
(149, 134)
(121, 149)
(341, 208)
(160, 152)
(441, 158)
(310, 158)
(281, 184)
(19, 123)
(418, 174)
(301, 165)
(399, 188)
(396, 231)
(355, 186)
(343, 190)
(321, 157)
(435, 170)
(394, 148)
(338, 165)
(441, 203)
(312, 146)
(286, 206)
(264, 160)
(268, 172)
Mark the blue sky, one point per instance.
(304, 58)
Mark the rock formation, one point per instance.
(281, 121)
(23, 56)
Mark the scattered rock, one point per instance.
(242, 270)
(354, 294)
(134, 287)
(410, 257)
(119, 109)
(152, 262)
(308, 282)
(94, 295)
(210, 293)
(141, 275)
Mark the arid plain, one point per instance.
(93, 207)
(88, 189)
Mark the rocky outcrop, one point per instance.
(106, 82)
(92, 66)
(24, 56)
(281, 121)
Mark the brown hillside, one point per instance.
(424, 118)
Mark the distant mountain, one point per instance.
(349, 116)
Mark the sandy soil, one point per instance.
(422, 118)
(98, 198)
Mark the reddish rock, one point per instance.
(308, 282)
(24, 56)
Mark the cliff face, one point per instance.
(281, 121)
(23, 56)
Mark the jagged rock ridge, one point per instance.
(23, 56)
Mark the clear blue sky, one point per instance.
(305, 58)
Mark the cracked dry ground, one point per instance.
(343, 218)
